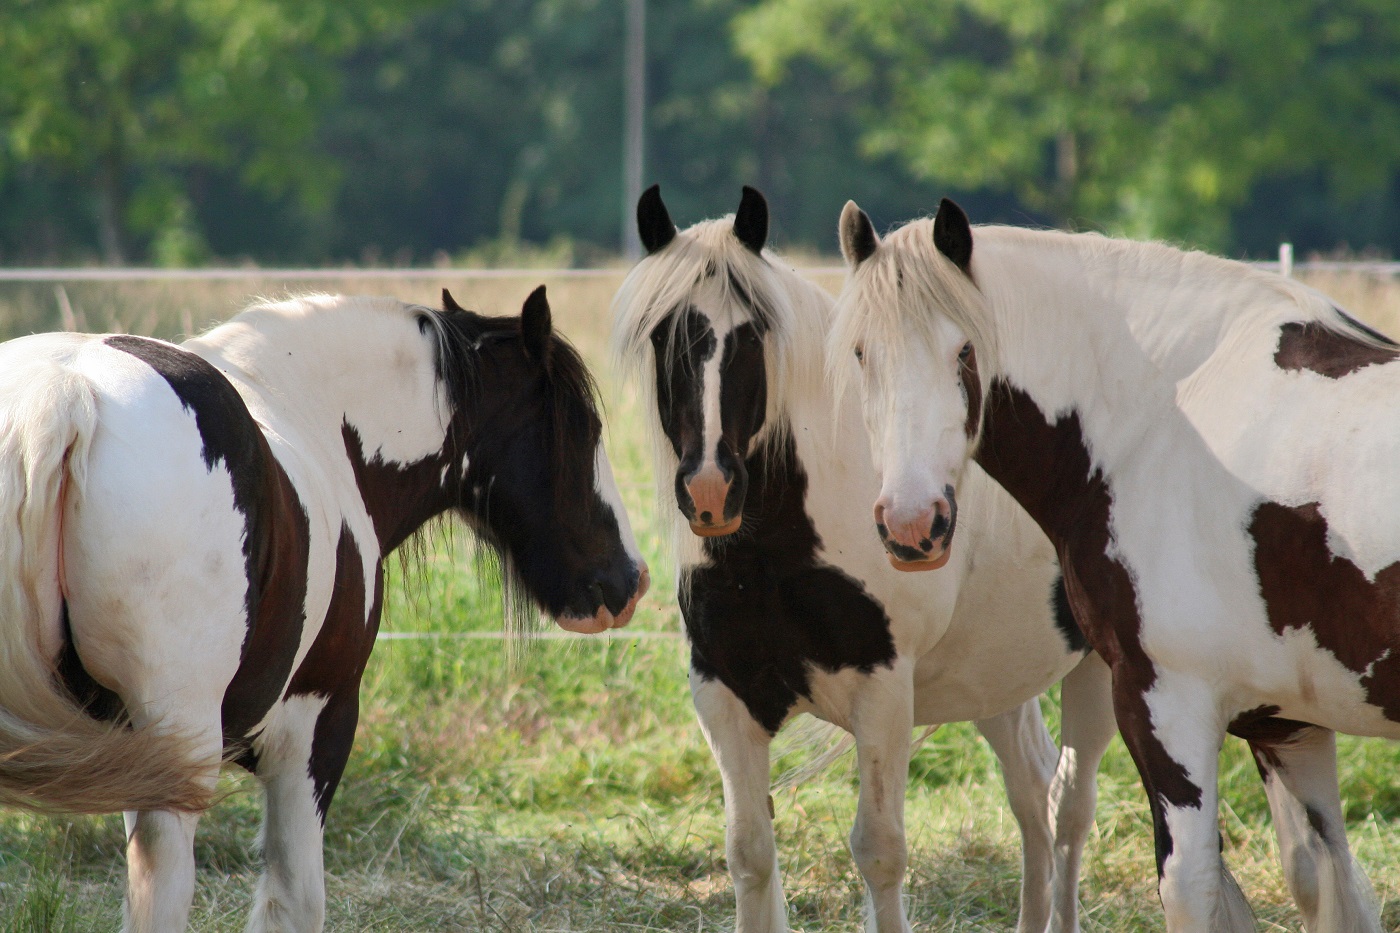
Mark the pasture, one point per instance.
(562, 784)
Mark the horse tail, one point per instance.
(54, 757)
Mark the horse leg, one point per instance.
(1087, 726)
(1174, 733)
(740, 746)
(1026, 752)
(882, 718)
(160, 847)
(300, 761)
(1300, 779)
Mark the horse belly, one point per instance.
(153, 547)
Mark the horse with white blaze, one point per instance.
(1212, 449)
(192, 538)
(789, 608)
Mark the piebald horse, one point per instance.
(789, 607)
(193, 537)
(1211, 448)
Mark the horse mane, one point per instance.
(885, 296)
(789, 309)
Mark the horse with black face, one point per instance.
(193, 539)
(789, 610)
(1211, 449)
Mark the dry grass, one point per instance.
(573, 791)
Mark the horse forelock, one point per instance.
(789, 311)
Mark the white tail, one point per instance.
(53, 756)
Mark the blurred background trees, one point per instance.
(292, 132)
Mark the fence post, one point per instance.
(1285, 259)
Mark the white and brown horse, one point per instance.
(791, 608)
(1212, 449)
(192, 539)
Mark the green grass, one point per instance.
(570, 789)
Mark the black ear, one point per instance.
(952, 234)
(536, 326)
(449, 303)
(751, 223)
(653, 221)
(858, 237)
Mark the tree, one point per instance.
(129, 100)
(1147, 117)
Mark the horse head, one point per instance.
(707, 321)
(536, 482)
(916, 372)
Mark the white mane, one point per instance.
(793, 310)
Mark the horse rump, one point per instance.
(54, 757)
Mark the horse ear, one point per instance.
(952, 234)
(653, 220)
(536, 326)
(449, 303)
(751, 223)
(858, 237)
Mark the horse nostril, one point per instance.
(705, 516)
(595, 592)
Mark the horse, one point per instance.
(788, 611)
(194, 537)
(1207, 446)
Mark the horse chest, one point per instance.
(763, 613)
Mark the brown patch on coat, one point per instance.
(1305, 586)
(1265, 730)
(334, 665)
(278, 537)
(1046, 467)
(401, 497)
(1313, 346)
(972, 390)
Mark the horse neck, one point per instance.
(357, 383)
(1063, 314)
(1077, 404)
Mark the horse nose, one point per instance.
(917, 539)
(643, 584)
(910, 530)
(708, 489)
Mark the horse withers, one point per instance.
(790, 608)
(193, 538)
(1211, 449)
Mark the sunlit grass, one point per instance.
(571, 790)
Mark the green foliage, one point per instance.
(1148, 117)
(129, 97)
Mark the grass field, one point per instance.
(571, 790)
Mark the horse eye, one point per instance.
(860, 354)
(965, 352)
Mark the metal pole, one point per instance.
(633, 134)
